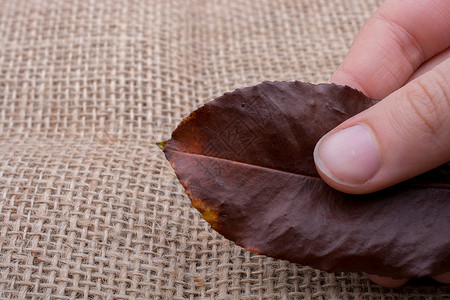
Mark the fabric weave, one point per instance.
(89, 207)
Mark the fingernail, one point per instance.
(349, 156)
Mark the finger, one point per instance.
(387, 281)
(394, 42)
(443, 278)
(430, 64)
(400, 137)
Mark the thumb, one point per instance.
(404, 135)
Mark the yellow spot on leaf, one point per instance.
(253, 249)
(198, 204)
(209, 214)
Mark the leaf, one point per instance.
(245, 161)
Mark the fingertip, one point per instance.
(352, 78)
(443, 278)
(387, 282)
(347, 159)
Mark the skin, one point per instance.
(402, 56)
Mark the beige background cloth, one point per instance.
(89, 208)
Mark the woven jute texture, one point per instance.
(89, 207)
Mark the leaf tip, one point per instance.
(161, 145)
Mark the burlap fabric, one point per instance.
(89, 208)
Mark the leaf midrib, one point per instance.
(243, 163)
(419, 185)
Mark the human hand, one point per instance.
(401, 55)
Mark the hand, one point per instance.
(401, 55)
